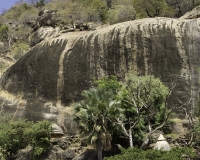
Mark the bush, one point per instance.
(38, 136)
(109, 83)
(19, 49)
(121, 13)
(135, 153)
(15, 12)
(3, 32)
(11, 137)
(196, 133)
(15, 135)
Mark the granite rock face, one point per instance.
(59, 68)
(43, 33)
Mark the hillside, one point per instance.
(47, 63)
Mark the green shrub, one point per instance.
(109, 83)
(38, 136)
(15, 135)
(138, 154)
(196, 133)
(15, 12)
(3, 32)
(3, 67)
(121, 13)
(19, 49)
(11, 137)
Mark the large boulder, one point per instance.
(45, 17)
(43, 33)
(60, 68)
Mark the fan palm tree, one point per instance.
(94, 115)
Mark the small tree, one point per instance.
(11, 137)
(15, 135)
(94, 115)
(121, 13)
(152, 8)
(38, 136)
(143, 99)
(109, 83)
(142, 103)
(3, 32)
(182, 6)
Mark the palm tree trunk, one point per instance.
(99, 149)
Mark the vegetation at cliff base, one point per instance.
(135, 153)
(15, 135)
(132, 108)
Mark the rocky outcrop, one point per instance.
(59, 68)
(43, 33)
(45, 17)
(195, 13)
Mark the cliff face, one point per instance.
(59, 68)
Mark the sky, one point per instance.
(6, 4)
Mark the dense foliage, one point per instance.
(109, 83)
(128, 109)
(3, 32)
(15, 135)
(147, 92)
(142, 106)
(93, 116)
(174, 154)
(153, 8)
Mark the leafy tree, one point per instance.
(3, 32)
(152, 8)
(79, 11)
(11, 137)
(28, 15)
(142, 104)
(112, 84)
(182, 6)
(142, 100)
(15, 12)
(109, 83)
(15, 135)
(93, 116)
(95, 9)
(38, 136)
(121, 13)
(69, 12)
(18, 16)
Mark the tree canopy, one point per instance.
(93, 116)
(134, 105)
